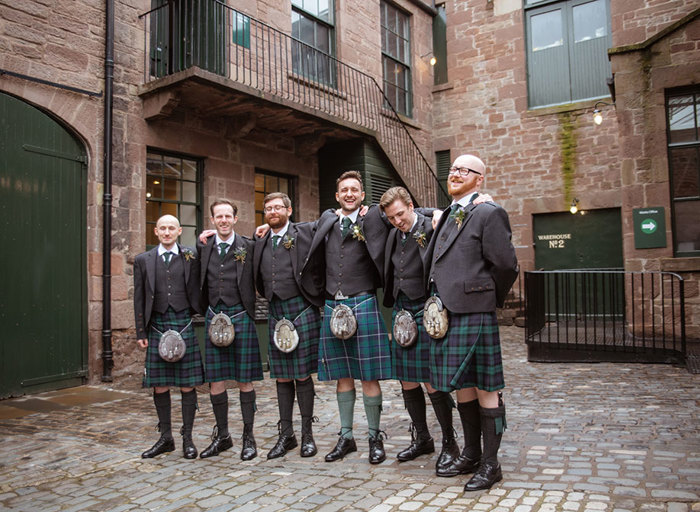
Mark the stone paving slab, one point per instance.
(580, 438)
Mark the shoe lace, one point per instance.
(379, 436)
(215, 433)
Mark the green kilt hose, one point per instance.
(185, 373)
(303, 360)
(469, 355)
(240, 361)
(411, 364)
(366, 355)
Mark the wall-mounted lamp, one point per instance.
(574, 206)
(597, 114)
(432, 60)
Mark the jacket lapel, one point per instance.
(456, 230)
(292, 234)
(186, 264)
(151, 268)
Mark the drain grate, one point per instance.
(692, 362)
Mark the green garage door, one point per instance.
(42, 226)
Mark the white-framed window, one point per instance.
(396, 57)
(313, 25)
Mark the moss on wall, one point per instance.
(567, 140)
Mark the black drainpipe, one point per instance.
(107, 360)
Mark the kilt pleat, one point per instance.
(411, 364)
(240, 361)
(302, 361)
(469, 355)
(366, 355)
(185, 373)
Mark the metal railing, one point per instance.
(210, 35)
(605, 315)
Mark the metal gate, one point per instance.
(43, 306)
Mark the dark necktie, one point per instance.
(166, 258)
(275, 241)
(223, 248)
(345, 226)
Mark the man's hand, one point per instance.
(483, 198)
(261, 231)
(206, 234)
(143, 342)
(436, 217)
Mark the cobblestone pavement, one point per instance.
(581, 437)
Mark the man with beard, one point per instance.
(295, 296)
(470, 264)
(166, 293)
(228, 289)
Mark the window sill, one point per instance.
(566, 107)
(443, 87)
(317, 85)
(683, 264)
(404, 119)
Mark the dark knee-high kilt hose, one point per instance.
(185, 373)
(364, 356)
(303, 360)
(240, 361)
(469, 355)
(411, 364)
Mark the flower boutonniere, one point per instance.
(188, 254)
(459, 215)
(288, 242)
(420, 237)
(239, 254)
(357, 233)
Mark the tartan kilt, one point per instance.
(240, 361)
(469, 355)
(366, 355)
(185, 373)
(303, 360)
(411, 364)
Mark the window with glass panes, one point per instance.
(267, 182)
(683, 116)
(313, 24)
(173, 187)
(567, 50)
(396, 57)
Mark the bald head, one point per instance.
(471, 162)
(168, 219)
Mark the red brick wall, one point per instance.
(635, 21)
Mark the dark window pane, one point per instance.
(685, 168)
(687, 233)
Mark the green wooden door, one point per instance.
(42, 225)
(592, 240)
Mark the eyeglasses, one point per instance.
(275, 208)
(463, 171)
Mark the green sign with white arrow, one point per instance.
(649, 227)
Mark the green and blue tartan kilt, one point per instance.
(366, 355)
(469, 355)
(303, 360)
(240, 361)
(185, 373)
(411, 364)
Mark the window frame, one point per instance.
(161, 200)
(325, 77)
(671, 146)
(407, 108)
(542, 98)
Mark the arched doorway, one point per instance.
(43, 304)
